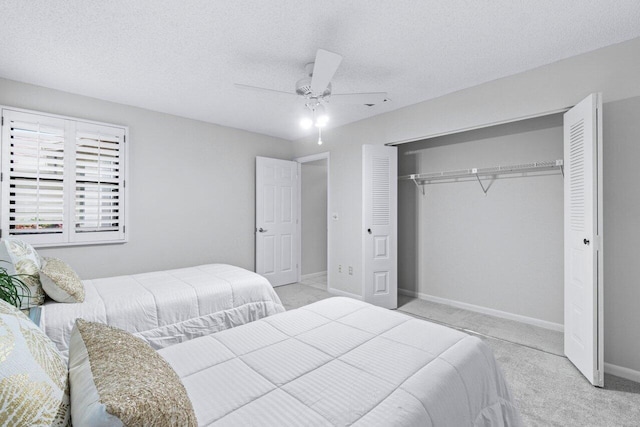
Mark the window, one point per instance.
(63, 180)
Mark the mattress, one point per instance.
(341, 362)
(166, 307)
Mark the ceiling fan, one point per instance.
(315, 89)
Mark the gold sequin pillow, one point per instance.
(22, 259)
(33, 374)
(60, 282)
(118, 379)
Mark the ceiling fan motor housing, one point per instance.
(303, 86)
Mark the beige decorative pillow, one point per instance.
(60, 282)
(24, 260)
(33, 374)
(118, 379)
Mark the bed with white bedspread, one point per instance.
(166, 307)
(343, 362)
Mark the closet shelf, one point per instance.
(421, 179)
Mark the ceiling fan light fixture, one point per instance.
(321, 116)
(308, 119)
(316, 90)
(306, 122)
(316, 115)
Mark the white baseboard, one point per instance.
(484, 310)
(312, 275)
(618, 371)
(622, 372)
(338, 292)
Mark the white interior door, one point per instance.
(276, 220)
(380, 208)
(583, 309)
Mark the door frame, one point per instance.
(307, 159)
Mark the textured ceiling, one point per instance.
(183, 57)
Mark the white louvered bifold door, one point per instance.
(379, 213)
(33, 160)
(583, 287)
(98, 208)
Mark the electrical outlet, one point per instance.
(350, 271)
(340, 268)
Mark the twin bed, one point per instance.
(243, 360)
(165, 307)
(342, 362)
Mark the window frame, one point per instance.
(68, 237)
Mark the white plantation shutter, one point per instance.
(62, 180)
(33, 202)
(99, 182)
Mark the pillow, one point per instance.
(23, 259)
(60, 282)
(118, 379)
(33, 374)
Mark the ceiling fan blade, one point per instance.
(261, 89)
(324, 68)
(358, 98)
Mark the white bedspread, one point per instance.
(167, 307)
(343, 362)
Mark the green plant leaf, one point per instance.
(12, 288)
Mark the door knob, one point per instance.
(586, 241)
(369, 230)
(262, 230)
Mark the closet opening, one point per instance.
(490, 243)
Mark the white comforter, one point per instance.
(341, 362)
(167, 307)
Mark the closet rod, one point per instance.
(421, 179)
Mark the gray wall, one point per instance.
(613, 71)
(502, 250)
(314, 217)
(191, 186)
(621, 126)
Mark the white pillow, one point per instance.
(24, 260)
(33, 374)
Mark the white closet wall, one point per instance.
(502, 250)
